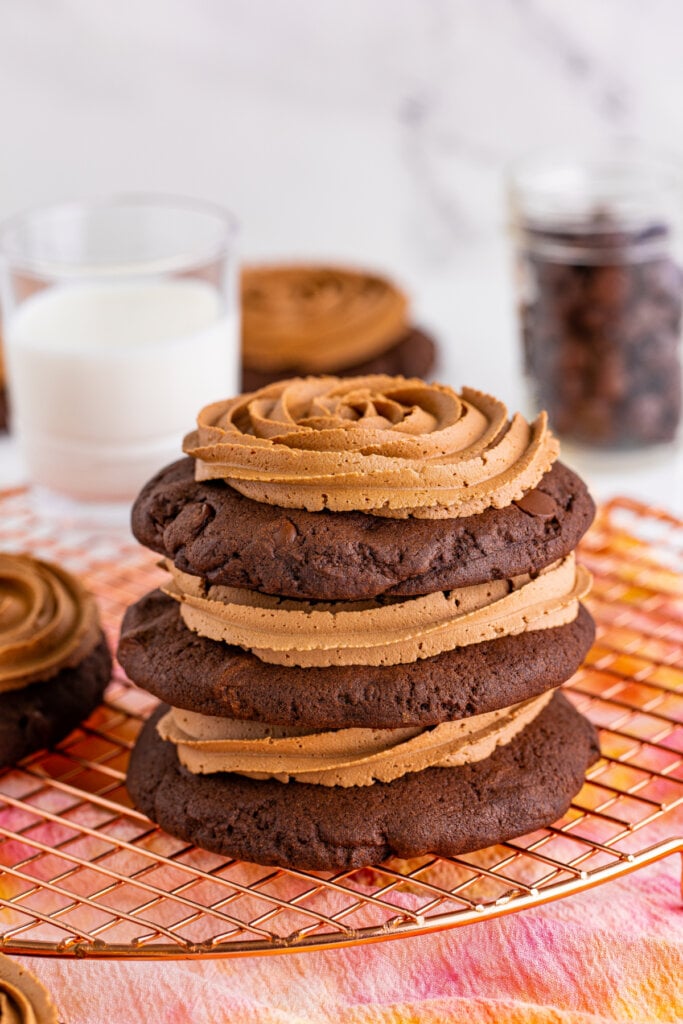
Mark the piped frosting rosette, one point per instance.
(318, 318)
(48, 621)
(383, 445)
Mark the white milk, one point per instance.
(107, 378)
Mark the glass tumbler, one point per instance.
(120, 321)
(598, 250)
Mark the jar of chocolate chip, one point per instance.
(601, 286)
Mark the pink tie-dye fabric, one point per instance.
(609, 955)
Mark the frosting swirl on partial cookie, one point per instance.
(345, 757)
(384, 445)
(48, 621)
(317, 319)
(382, 632)
(23, 1000)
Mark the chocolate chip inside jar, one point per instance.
(601, 329)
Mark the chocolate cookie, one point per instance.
(161, 655)
(210, 530)
(43, 713)
(524, 785)
(413, 355)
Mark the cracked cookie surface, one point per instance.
(209, 530)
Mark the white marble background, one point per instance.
(370, 130)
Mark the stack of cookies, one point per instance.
(314, 318)
(372, 599)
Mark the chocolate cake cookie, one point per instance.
(54, 660)
(413, 355)
(44, 713)
(372, 598)
(522, 786)
(210, 530)
(300, 319)
(212, 678)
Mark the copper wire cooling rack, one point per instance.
(83, 874)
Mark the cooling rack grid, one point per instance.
(83, 874)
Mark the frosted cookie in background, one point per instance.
(4, 409)
(54, 659)
(300, 319)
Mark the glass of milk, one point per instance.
(121, 320)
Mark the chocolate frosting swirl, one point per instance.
(384, 445)
(303, 633)
(23, 1000)
(317, 319)
(48, 621)
(346, 757)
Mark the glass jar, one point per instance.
(601, 288)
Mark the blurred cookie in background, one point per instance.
(4, 410)
(300, 319)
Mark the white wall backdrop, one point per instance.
(370, 130)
